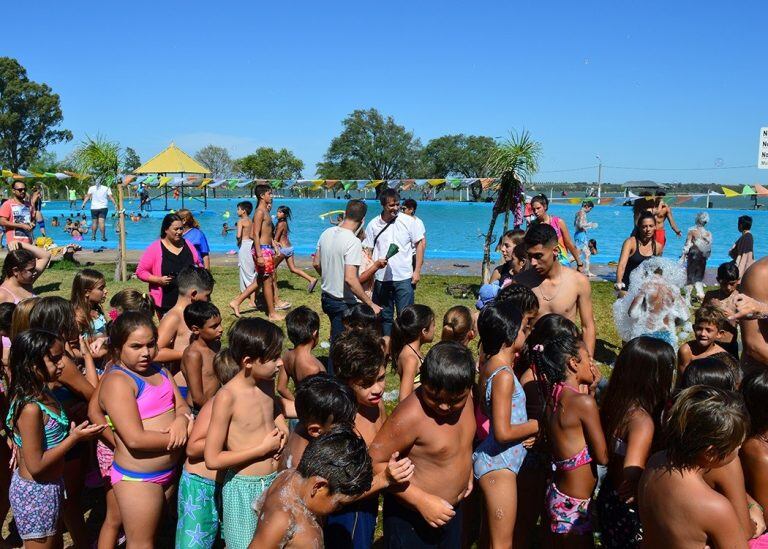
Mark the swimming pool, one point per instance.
(455, 230)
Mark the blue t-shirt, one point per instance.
(198, 240)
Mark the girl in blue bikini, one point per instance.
(499, 456)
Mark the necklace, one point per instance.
(545, 298)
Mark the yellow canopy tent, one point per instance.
(174, 160)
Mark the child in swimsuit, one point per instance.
(575, 435)
(498, 458)
(151, 423)
(41, 430)
(285, 249)
(89, 291)
(414, 326)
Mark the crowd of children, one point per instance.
(250, 444)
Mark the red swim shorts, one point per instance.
(660, 235)
(268, 253)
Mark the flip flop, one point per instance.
(283, 307)
(312, 285)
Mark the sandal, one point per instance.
(311, 286)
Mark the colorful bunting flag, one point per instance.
(729, 193)
(760, 190)
(747, 191)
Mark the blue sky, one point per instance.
(643, 84)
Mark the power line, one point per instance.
(681, 169)
(570, 169)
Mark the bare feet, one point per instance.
(276, 317)
(235, 307)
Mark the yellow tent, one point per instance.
(172, 160)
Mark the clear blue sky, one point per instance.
(644, 84)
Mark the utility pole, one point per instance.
(599, 175)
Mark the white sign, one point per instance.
(762, 159)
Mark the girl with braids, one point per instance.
(498, 458)
(637, 393)
(414, 326)
(42, 432)
(575, 436)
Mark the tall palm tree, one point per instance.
(514, 160)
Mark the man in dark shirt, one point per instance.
(742, 252)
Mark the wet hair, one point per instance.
(520, 296)
(541, 199)
(457, 323)
(301, 325)
(321, 398)
(709, 314)
(551, 359)
(710, 372)
(361, 317)
(728, 272)
(85, 281)
(20, 317)
(255, 338)
(704, 420)
(339, 456)
(754, 389)
(16, 259)
(449, 367)
(225, 366)
(193, 277)
(129, 299)
(642, 379)
(408, 326)
(587, 204)
(386, 194)
(55, 314)
(260, 191)
(168, 220)
(356, 210)
(6, 317)
(643, 216)
(29, 375)
(410, 204)
(187, 218)
(286, 211)
(745, 223)
(702, 218)
(498, 325)
(246, 206)
(540, 234)
(357, 356)
(549, 327)
(123, 327)
(200, 312)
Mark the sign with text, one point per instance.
(762, 159)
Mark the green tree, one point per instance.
(217, 159)
(131, 160)
(370, 146)
(268, 163)
(514, 160)
(29, 116)
(458, 155)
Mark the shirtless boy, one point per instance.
(263, 252)
(708, 328)
(727, 281)
(303, 326)
(677, 507)
(204, 321)
(434, 426)
(335, 469)
(245, 247)
(195, 284)
(248, 429)
(560, 289)
(663, 213)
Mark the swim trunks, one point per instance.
(268, 253)
(660, 236)
(199, 516)
(567, 514)
(288, 251)
(238, 494)
(36, 506)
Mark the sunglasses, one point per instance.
(22, 190)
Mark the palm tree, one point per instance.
(514, 160)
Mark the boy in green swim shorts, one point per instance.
(248, 429)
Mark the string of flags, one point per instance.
(24, 174)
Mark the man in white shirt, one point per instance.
(409, 209)
(395, 284)
(98, 194)
(337, 260)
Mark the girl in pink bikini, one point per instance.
(564, 367)
(22, 266)
(540, 207)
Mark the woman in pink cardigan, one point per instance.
(163, 260)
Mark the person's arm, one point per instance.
(688, 243)
(408, 366)
(216, 457)
(239, 233)
(639, 439)
(5, 219)
(584, 302)
(85, 200)
(271, 529)
(205, 250)
(717, 517)
(570, 246)
(728, 480)
(370, 272)
(97, 417)
(495, 275)
(501, 407)
(111, 198)
(672, 223)
(166, 339)
(316, 263)
(421, 247)
(350, 277)
(282, 383)
(755, 463)
(91, 375)
(192, 366)
(144, 270)
(196, 440)
(626, 251)
(258, 221)
(73, 380)
(42, 256)
(586, 407)
(37, 459)
(753, 285)
(683, 358)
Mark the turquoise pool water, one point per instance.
(455, 230)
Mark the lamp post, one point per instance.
(599, 175)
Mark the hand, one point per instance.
(758, 520)
(14, 461)
(679, 233)
(163, 280)
(627, 491)
(580, 267)
(260, 261)
(376, 309)
(178, 432)
(381, 263)
(85, 431)
(30, 227)
(740, 306)
(274, 442)
(190, 424)
(435, 510)
(399, 471)
(14, 245)
(415, 278)
(529, 442)
(470, 485)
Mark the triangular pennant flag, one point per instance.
(204, 183)
(454, 183)
(60, 176)
(605, 201)
(244, 183)
(747, 190)
(331, 183)
(164, 180)
(288, 183)
(232, 183)
(683, 198)
(393, 183)
(435, 182)
(8, 173)
(486, 182)
(729, 193)
(760, 190)
(407, 184)
(715, 193)
(49, 174)
(25, 173)
(420, 182)
(128, 179)
(348, 184)
(372, 184)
